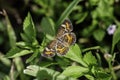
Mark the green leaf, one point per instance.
(44, 73)
(22, 45)
(99, 34)
(75, 71)
(16, 52)
(33, 56)
(48, 29)
(90, 59)
(75, 54)
(4, 60)
(101, 75)
(89, 77)
(25, 38)
(116, 38)
(29, 34)
(19, 67)
(67, 11)
(32, 70)
(10, 30)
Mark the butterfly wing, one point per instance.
(64, 39)
(61, 49)
(50, 51)
(65, 27)
(68, 39)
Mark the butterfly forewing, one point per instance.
(67, 25)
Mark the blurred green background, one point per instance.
(90, 19)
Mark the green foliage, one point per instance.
(49, 31)
(11, 33)
(100, 74)
(30, 42)
(77, 71)
(47, 7)
(86, 58)
(29, 34)
(16, 52)
(44, 73)
(75, 55)
(90, 59)
(99, 35)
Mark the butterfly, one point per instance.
(63, 40)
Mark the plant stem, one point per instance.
(112, 71)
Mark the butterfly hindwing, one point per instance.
(49, 50)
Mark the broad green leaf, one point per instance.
(99, 34)
(10, 31)
(67, 11)
(75, 54)
(48, 29)
(16, 52)
(116, 38)
(29, 34)
(44, 73)
(90, 59)
(75, 71)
